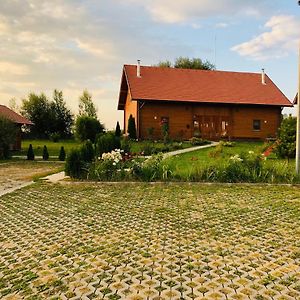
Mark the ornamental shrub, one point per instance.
(118, 130)
(106, 143)
(87, 152)
(74, 164)
(131, 128)
(286, 144)
(45, 153)
(62, 154)
(30, 153)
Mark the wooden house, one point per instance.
(18, 120)
(209, 104)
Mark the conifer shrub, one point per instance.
(45, 153)
(87, 151)
(62, 154)
(30, 153)
(131, 128)
(74, 164)
(118, 130)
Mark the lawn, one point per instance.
(53, 148)
(141, 241)
(185, 164)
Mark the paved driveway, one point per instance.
(142, 241)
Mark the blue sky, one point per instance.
(74, 45)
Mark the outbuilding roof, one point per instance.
(187, 85)
(13, 116)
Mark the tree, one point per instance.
(37, 109)
(86, 105)
(193, 63)
(164, 64)
(7, 136)
(286, 147)
(63, 118)
(118, 130)
(187, 63)
(87, 128)
(131, 128)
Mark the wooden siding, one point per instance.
(215, 121)
(270, 118)
(130, 109)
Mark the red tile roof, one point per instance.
(169, 84)
(13, 116)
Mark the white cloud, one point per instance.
(13, 68)
(280, 39)
(185, 11)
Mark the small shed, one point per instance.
(18, 120)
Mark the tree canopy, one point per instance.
(86, 105)
(48, 116)
(187, 63)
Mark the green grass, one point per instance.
(187, 241)
(53, 148)
(184, 165)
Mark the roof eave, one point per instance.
(212, 102)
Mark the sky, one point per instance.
(72, 45)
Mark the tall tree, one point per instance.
(37, 108)
(187, 63)
(87, 106)
(63, 117)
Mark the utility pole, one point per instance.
(298, 118)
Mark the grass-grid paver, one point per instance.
(142, 241)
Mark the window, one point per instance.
(256, 124)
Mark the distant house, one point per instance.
(210, 104)
(18, 120)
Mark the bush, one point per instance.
(107, 142)
(74, 164)
(62, 154)
(45, 153)
(87, 128)
(54, 137)
(195, 141)
(118, 130)
(131, 128)
(286, 144)
(125, 145)
(147, 149)
(87, 152)
(30, 153)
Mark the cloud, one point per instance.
(186, 11)
(280, 39)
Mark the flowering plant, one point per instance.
(114, 156)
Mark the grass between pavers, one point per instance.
(141, 241)
(23, 170)
(53, 148)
